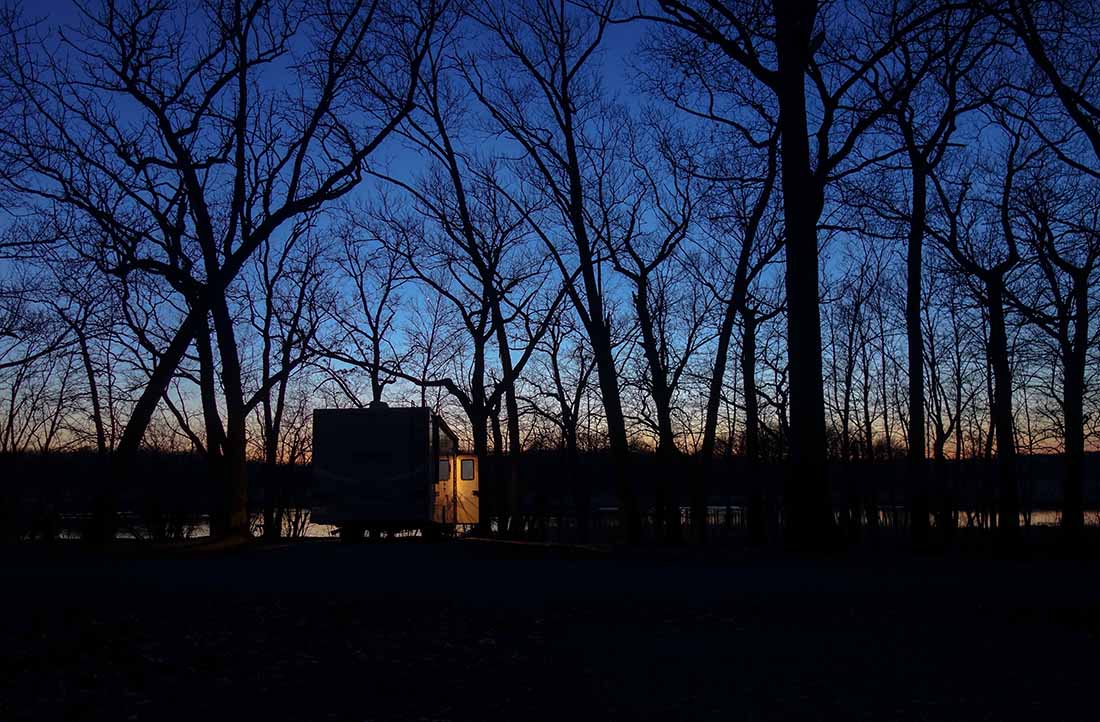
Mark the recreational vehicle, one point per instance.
(383, 470)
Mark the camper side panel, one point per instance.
(371, 465)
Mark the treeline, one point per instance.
(167, 495)
(789, 232)
(170, 496)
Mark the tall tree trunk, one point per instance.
(616, 431)
(868, 422)
(668, 505)
(500, 484)
(718, 373)
(511, 407)
(1009, 505)
(515, 492)
(235, 510)
(498, 436)
(748, 385)
(581, 495)
(598, 326)
(1074, 360)
(479, 430)
(703, 469)
(808, 504)
(93, 391)
(212, 422)
(272, 508)
(887, 432)
(756, 522)
(916, 465)
(274, 504)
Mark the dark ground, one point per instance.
(474, 630)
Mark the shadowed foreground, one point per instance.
(472, 630)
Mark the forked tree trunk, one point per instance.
(668, 503)
(104, 520)
(235, 510)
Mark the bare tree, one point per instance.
(1060, 225)
(364, 318)
(202, 172)
(927, 117)
(642, 251)
(537, 81)
(788, 48)
(82, 304)
(1059, 37)
(36, 370)
(742, 233)
(971, 234)
(741, 237)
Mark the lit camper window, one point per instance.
(444, 470)
(467, 470)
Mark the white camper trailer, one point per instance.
(384, 469)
